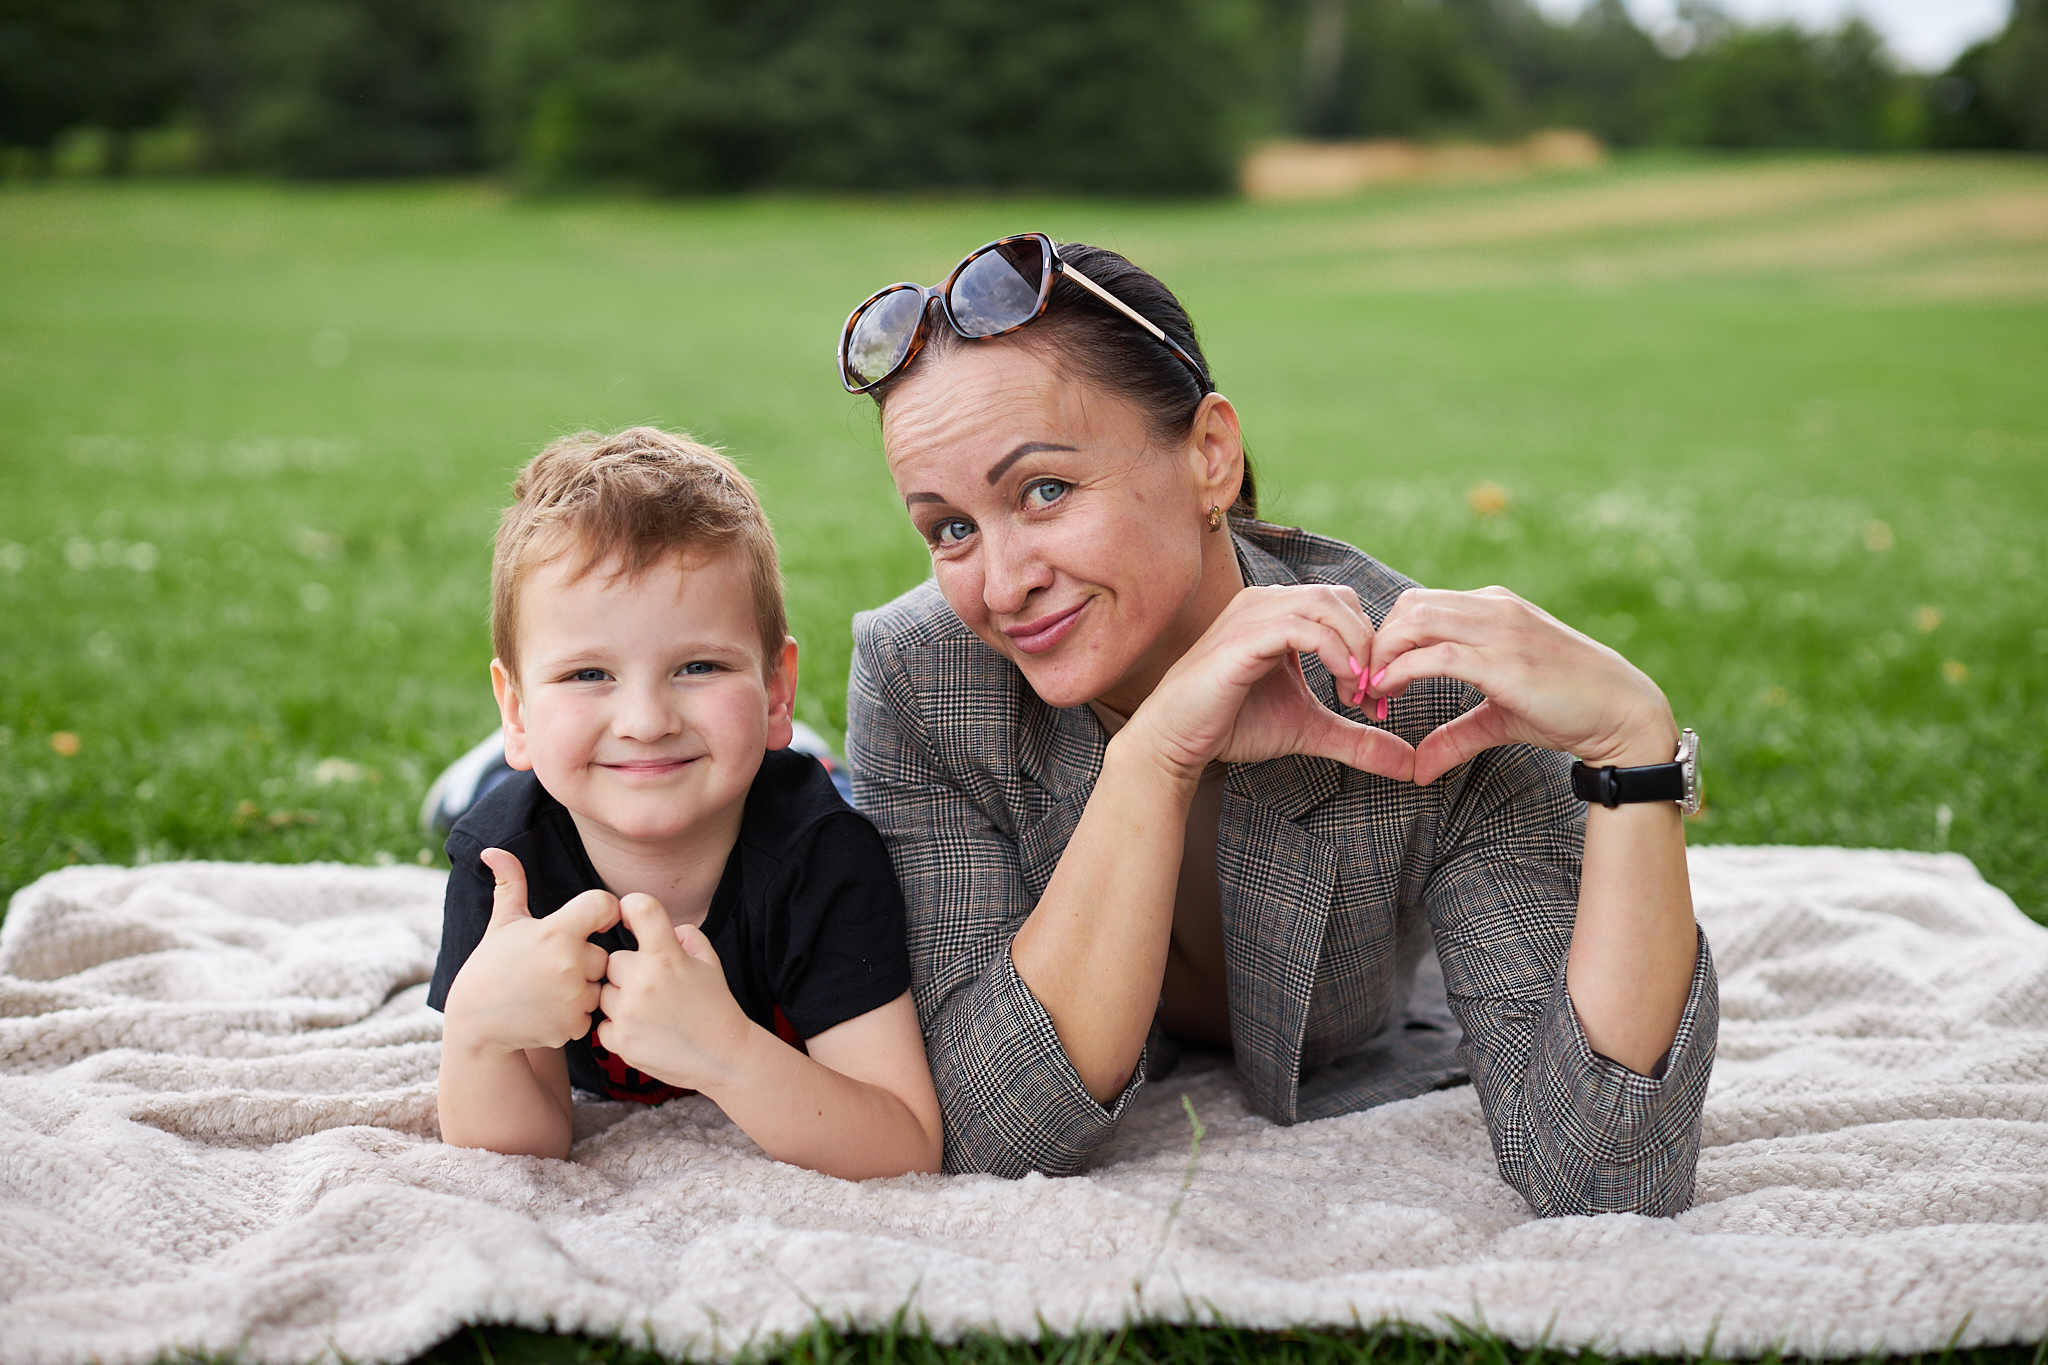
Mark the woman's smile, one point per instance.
(1039, 635)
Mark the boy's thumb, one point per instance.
(692, 941)
(653, 931)
(508, 898)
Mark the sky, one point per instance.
(1923, 34)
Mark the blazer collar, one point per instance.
(1293, 785)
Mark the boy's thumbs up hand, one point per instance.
(508, 898)
(530, 983)
(667, 1009)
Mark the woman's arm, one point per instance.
(1586, 993)
(1631, 963)
(1093, 950)
(1011, 1099)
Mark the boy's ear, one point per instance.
(782, 696)
(513, 715)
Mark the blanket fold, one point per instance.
(217, 1133)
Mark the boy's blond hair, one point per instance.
(640, 495)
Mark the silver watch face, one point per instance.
(1689, 756)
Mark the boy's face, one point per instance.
(641, 702)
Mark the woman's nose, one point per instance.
(1011, 571)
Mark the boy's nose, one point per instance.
(646, 714)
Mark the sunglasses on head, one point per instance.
(995, 289)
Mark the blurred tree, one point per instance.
(1143, 96)
(1392, 68)
(1600, 72)
(1782, 87)
(1119, 96)
(98, 63)
(1996, 93)
(358, 87)
(42, 64)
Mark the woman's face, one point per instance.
(1059, 532)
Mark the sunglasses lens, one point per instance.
(998, 289)
(882, 334)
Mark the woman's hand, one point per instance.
(1238, 694)
(1545, 683)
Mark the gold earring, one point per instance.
(1215, 517)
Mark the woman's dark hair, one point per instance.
(1092, 342)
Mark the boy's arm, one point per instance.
(514, 1102)
(527, 989)
(860, 1105)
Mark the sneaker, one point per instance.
(465, 781)
(462, 784)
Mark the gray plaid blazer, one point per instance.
(1333, 885)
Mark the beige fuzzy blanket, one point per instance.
(217, 1133)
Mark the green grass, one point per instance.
(1139, 1345)
(1758, 426)
(1777, 430)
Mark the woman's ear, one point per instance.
(513, 715)
(1216, 445)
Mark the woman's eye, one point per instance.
(1042, 492)
(951, 531)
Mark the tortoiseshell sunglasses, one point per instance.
(995, 289)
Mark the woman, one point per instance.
(1119, 748)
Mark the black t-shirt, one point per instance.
(807, 919)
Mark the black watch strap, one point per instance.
(1613, 787)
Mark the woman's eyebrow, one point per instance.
(997, 470)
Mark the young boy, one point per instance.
(661, 857)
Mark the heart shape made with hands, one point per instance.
(1543, 683)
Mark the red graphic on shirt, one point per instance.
(623, 1082)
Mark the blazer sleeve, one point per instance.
(1011, 1100)
(1573, 1131)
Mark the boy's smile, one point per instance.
(641, 701)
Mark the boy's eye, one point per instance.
(589, 675)
(1041, 492)
(698, 669)
(951, 531)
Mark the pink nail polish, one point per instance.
(1377, 676)
(1381, 712)
(1356, 671)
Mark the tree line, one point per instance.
(1124, 96)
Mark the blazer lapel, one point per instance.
(1276, 882)
(1059, 750)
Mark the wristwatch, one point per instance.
(1678, 780)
